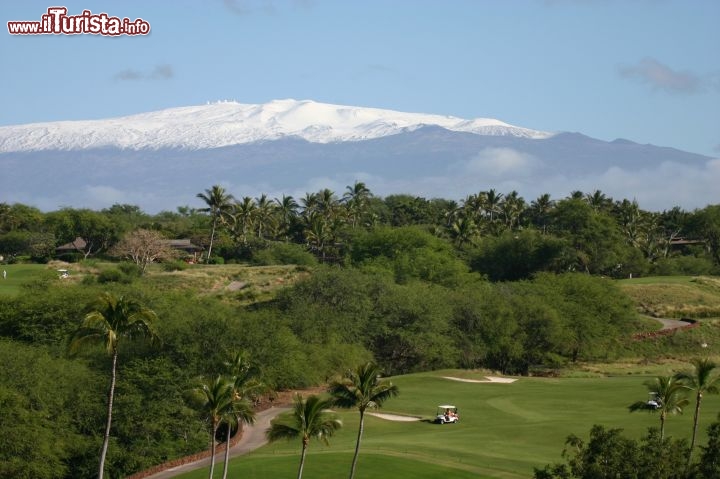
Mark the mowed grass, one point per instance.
(17, 274)
(505, 429)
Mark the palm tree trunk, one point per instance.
(111, 395)
(212, 237)
(302, 457)
(696, 418)
(662, 426)
(212, 447)
(227, 452)
(357, 444)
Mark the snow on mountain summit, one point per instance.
(230, 123)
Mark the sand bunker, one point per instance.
(394, 417)
(488, 379)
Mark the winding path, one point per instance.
(253, 437)
(672, 323)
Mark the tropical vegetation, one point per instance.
(326, 290)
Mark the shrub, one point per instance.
(113, 275)
(683, 265)
(171, 266)
(129, 269)
(284, 253)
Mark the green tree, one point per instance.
(668, 397)
(217, 405)
(709, 467)
(89, 231)
(114, 318)
(363, 389)
(219, 205)
(310, 418)
(701, 380)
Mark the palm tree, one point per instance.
(114, 318)
(219, 205)
(492, 200)
(239, 412)
(362, 389)
(701, 380)
(355, 199)
(668, 398)
(217, 403)
(264, 217)
(598, 200)
(463, 230)
(310, 418)
(243, 217)
(540, 209)
(286, 208)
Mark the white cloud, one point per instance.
(500, 163)
(660, 76)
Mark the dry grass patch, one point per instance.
(242, 283)
(696, 298)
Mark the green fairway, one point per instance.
(18, 274)
(505, 429)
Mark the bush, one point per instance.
(129, 269)
(284, 253)
(70, 257)
(113, 275)
(683, 265)
(170, 266)
(217, 260)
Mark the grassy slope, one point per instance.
(675, 296)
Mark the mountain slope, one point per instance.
(230, 123)
(161, 160)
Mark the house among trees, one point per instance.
(79, 245)
(187, 246)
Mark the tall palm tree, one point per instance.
(286, 208)
(219, 204)
(264, 215)
(217, 403)
(239, 412)
(243, 218)
(310, 418)
(356, 199)
(540, 210)
(113, 319)
(669, 397)
(701, 380)
(362, 389)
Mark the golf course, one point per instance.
(505, 429)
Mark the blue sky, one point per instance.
(645, 70)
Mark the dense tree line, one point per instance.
(500, 235)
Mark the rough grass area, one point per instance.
(675, 296)
(246, 284)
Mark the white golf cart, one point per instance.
(446, 413)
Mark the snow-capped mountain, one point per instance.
(230, 123)
(161, 160)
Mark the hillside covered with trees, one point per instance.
(492, 282)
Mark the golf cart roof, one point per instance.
(446, 406)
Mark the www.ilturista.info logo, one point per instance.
(57, 22)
